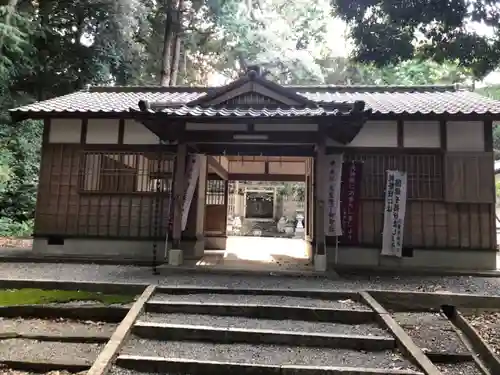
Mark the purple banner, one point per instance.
(350, 193)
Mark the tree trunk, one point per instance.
(183, 65)
(176, 54)
(177, 43)
(167, 46)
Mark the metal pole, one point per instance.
(169, 208)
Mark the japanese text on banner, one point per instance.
(395, 209)
(333, 225)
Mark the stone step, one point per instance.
(224, 321)
(152, 364)
(263, 311)
(184, 332)
(341, 302)
(327, 294)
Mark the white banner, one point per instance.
(333, 223)
(192, 174)
(394, 213)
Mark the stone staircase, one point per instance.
(185, 330)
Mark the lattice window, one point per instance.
(124, 172)
(251, 99)
(215, 192)
(424, 171)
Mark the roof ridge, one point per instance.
(298, 88)
(146, 88)
(379, 88)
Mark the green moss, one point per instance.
(27, 296)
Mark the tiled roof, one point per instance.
(198, 111)
(381, 100)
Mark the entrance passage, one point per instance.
(260, 253)
(266, 214)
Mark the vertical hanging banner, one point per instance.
(333, 225)
(350, 194)
(192, 174)
(394, 213)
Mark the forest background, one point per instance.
(50, 48)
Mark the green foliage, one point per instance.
(389, 32)
(11, 228)
(497, 188)
(493, 92)
(13, 297)
(293, 190)
(51, 48)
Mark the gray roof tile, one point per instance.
(195, 111)
(381, 100)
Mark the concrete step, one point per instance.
(263, 311)
(184, 332)
(187, 366)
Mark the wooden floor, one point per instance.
(259, 253)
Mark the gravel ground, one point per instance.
(261, 299)
(60, 326)
(25, 350)
(278, 325)
(89, 272)
(431, 332)
(488, 326)
(6, 371)
(266, 354)
(465, 368)
(115, 370)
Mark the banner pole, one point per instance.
(336, 249)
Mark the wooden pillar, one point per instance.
(201, 204)
(179, 188)
(226, 202)
(306, 202)
(312, 199)
(319, 181)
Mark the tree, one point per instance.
(493, 92)
(389, 32)
(288, 38)
(50, 48)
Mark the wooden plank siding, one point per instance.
(118, 207)
(112, 208)
(216, 207)
(433, 220)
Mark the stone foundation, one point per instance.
(457, 259)
(193, 249)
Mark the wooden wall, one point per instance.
(451, 199)
(433, 225)
(67, 207)
(216, 201)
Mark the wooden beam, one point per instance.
(108, 354)
(400, 130)
(217, 167)
(249, 149)
(405, 343)
(138, 116)
(278, 137)
(83, 131)
(384, 150)
(488, 135)
(101, 147)
(443, 135)
(265, 177)
(121, 131)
